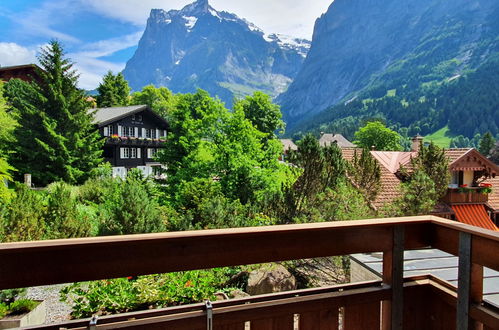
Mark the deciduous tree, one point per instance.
(375, 135)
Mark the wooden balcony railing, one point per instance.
(420, 302)
(472, 196)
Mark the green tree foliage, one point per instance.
(161, 100)
(494, 155)
(317, 169)
(487, 143)
(376, 135)
(264, 115)
(24, 220)
(434, 163)
(365, 174)
(56, 139)
(113, 91)
(208, 141)
(418, 196)
(131, 210)
(7, 125)
(63, 217)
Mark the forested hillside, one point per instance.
(423, 66)
(468, 105)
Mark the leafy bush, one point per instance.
(4, 309)
(24, 221)
(131, 211)
(62, 217)
(22, 306)
(151, 291)
(8, 296)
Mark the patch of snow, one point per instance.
(167, 21)
(190, 21)
(213, 12)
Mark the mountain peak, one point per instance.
(197, 7)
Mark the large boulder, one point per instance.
(269, 280)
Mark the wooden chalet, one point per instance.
(134, 134)
(468, 199)
(26, 72)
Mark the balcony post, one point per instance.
(393, 275)
(470, 284)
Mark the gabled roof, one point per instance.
(17, 67)
(390, 162)
(472, 160)
(328, 139)
(104, 116)
(288, 144)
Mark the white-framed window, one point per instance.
(130, 153)
(109, 130)
(151, 133)
(151, 153)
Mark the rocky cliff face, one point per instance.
(199, 47)
(357, 43)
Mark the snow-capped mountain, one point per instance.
(200, 47)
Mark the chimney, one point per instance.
(416, 143)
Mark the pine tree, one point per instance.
(365, 174)
(113, 91)
(56, 137)
(487, 143)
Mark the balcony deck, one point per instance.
(421, 302)
(473, 196)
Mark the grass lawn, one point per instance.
(441, 137)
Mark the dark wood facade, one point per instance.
(25, 72)
(133, 135)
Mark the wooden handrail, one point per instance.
(26, 264)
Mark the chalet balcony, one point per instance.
(422, 302)
(132, 141)
(472, 195)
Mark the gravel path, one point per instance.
(57, 311)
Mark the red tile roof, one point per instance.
(475, 215)
(494, 195)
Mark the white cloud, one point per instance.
(291, 17)
(110, 46)
(39, 21)
(14, 54)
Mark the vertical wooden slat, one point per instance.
(464, 277)
(393, 275)
(323, 320)
(476, 290)
(277, 323)
(362, 316)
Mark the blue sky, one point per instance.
(101, 35)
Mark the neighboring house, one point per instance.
(287, 145)
(327, 139)
(133, 134)
(26, 72)
(465, 201)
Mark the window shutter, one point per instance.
(136, 132)
(120, 130)
(122, 153)
(157, 133)
(106, 131)
(164, 132)
(138, 153)
(143, 132)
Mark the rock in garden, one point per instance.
(269, 280)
